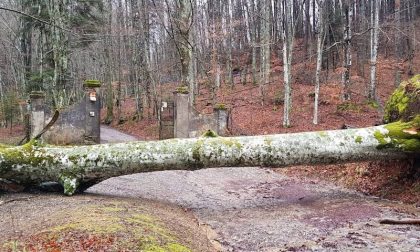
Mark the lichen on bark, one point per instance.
(70, 184)
(78, 167)
(85, 165)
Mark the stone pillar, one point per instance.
(37, 113)
(221, 114)
(93, 111)
(182, 113)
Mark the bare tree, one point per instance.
(320, 33)
(265, 47)
(347, 37)
(288, 40)
(108, 66)
(374, 48)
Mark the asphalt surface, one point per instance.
(255, 209)
(110, 135)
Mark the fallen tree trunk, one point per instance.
(76, 168)
(81, 166)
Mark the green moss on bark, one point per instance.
(210, 133)
(92, 83)
(70, 184)
(220, 106)
(182, 90)
(401, 135)
(404, 103)
(359, 140)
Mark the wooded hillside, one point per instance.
(137, 47)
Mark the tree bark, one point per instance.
(26, 33)
(183, 23)
(347, 37)
(108, 65)
(320, 48)
(265, 48)
(374, 48)
(228, 43)
(60, 51)
(288, 39)
(81, 165)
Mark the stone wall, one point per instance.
(69, 129)
(189, 123)
(166, 120)
(77, 124)
(199, 124)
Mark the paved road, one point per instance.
(254, 209)
(110, 135)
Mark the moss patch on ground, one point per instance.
(348, 106)
(118, 227)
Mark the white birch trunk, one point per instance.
(74, 166)
(374, 48)
(288, 38)
(287, 88)
(348, 17)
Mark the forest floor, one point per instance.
(53, 222)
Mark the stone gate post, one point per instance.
(93, 111)
(221, 114)
(37, 113)
(182, 113)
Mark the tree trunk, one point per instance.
(136, 44)
(320, 48)
(288, 38)
(26, 30)
(374, 48)
(253, 39)
(411, 41)
(74, 166)
(81, 166)
(120, 59)
(60, 46)
(348, 18)
(108, 66)
(265, 48)
(228, 42)
(184, 15)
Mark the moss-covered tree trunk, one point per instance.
(72, 166)
(81, 166)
